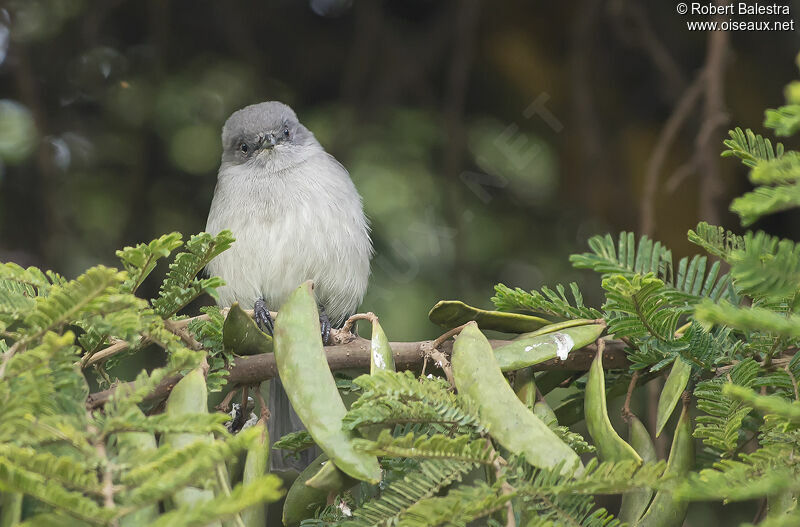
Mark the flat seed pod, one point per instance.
(255, 466)
(540, 348)
(665, 511)
(242, 336)
(310, 386)
(610, 446)
(525, 386)
(543, 411)
(635, 503)
(189, 396)
(301, 500)
(381, 357)
(330, 479)
(676, 383)
(449, 314)
(479, 379)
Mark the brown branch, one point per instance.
(714, 117)
(178, 327)
(667, 136)
(356, 355)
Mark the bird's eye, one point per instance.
(286, 132)
(243, 148)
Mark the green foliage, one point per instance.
(721, 426)
(390, 398)
(716, 240)
(643, 306)
(140, 261)
(439, 446)
(68, 461)
(767, 267)
(548, 302)
(394, 502)
(750, 147)
(181, 285)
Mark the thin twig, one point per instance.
(498, 463)
(184, 334)
(440, 358)
(348, 325)
(794, 382)
(264, 409)
(225, 404)
(627, 415)
(450, 333)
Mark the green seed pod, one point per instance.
(301, 500)
(540, 348)
(610, 446)
(330, 479)
(676, 383)
(558, 326)
(479, 379)
(242, 336)
(10, 509)
(189, 396)
(381, 357)
(525, 386)
(543, 411)
(449, 314)
(665, 511)
(310, 386)
(255, 466)
(129, 447)
(634, 503)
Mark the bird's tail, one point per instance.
(284, 420)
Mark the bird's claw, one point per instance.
(262, 317)
(324, 327)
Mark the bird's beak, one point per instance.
(269, 142)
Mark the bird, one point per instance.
(296, 216)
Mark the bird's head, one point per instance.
(267, 134)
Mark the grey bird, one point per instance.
(296, 215)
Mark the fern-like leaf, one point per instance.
(750, 147)
(400, 495)
(768, 267)
(716, 240)
(785, 120)
(643, 307)
(721, 427)
(439, 446)
(181, 285)
(68, 301)
(547, 302)
(140, 260)
(765, 200)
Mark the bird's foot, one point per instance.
(324, 326)
(262, 317)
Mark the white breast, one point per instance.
(302, 223)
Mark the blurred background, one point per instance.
(489, 140)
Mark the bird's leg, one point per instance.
(262, 317)
(324, 326)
